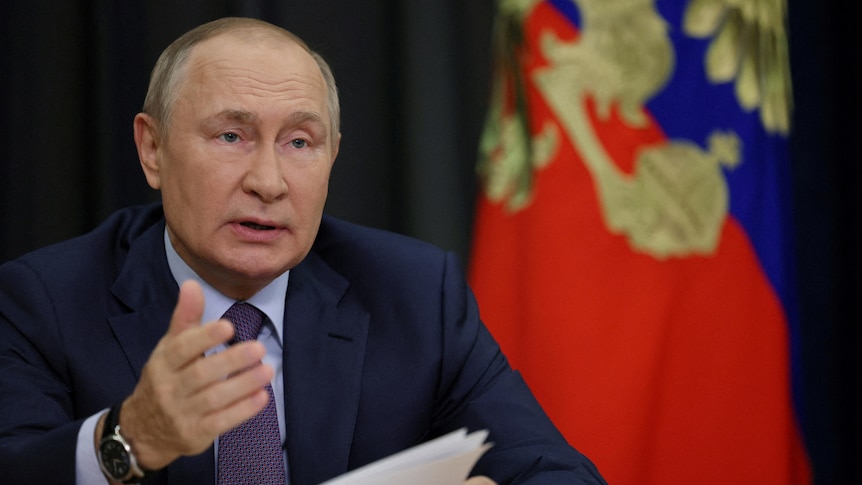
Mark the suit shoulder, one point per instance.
(342, 242)
(104, 246)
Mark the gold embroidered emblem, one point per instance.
(748, 46)
(508, 154)
(675, 201)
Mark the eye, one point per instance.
(299, 143)
(229, 137)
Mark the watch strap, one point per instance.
(111, 427)
(111, 420)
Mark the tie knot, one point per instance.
(247, 320)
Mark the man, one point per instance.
(115, 363)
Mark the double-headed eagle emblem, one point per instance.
(676, 199)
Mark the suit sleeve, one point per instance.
(38, 433)
(480, 390)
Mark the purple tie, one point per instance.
(251, 453)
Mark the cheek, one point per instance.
(309, 187)
(200, 175)
(195, 197)
(317, 192)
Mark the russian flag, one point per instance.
(631, 248)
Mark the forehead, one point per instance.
(261, 66)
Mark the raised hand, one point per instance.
(184, 400)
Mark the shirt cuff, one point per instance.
(87, 470)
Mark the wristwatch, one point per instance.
(115, 454)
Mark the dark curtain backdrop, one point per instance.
(414, 80)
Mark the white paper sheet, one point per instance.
(446, 460)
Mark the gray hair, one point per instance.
(169, 71)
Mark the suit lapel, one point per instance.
(145, 285)
(325, 332)
(148, 290)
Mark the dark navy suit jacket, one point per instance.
(383, 349)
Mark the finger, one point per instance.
(227, 392)
(190, 308)
(239, 410)
(186, 339)
(190, 345)
(214, 368)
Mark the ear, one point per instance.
(335, 147)
(148, 142)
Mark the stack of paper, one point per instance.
(446, 460)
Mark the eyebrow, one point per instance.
(300, 117)
(247, 117)
(235, 115)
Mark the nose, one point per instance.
(265, 177)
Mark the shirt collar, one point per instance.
(269, 300)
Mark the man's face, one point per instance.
(245, 167)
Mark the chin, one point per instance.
(255, 274)
(258, 264)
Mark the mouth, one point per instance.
(257, 227)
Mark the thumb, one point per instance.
(189, 309)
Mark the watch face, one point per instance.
(115, 458)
